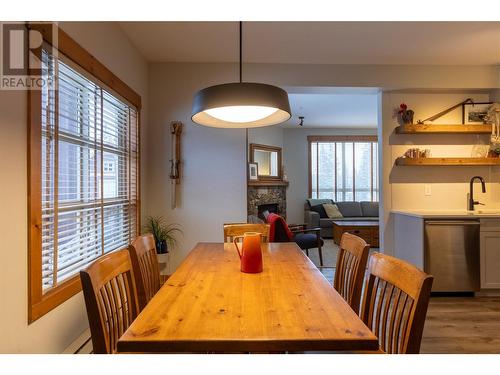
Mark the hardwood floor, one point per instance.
(462, 325)
(454, 325)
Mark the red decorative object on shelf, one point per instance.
(405, 115)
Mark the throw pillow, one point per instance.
(332, 211)
(320, 210)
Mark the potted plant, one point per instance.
(163, 233)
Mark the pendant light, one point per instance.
(240, 104)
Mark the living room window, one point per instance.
(343, 168)
(84, 172)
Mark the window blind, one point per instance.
(89, 172)
(344, 170)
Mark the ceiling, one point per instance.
(333, 110)
(402, 43)
(387, 43)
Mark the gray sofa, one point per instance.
(352, 211)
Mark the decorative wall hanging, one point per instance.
(447, 110)
(175, 160)
(476, 113)
(472, 112)
(253, 171)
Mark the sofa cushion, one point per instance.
(350, 209)
(369, 208)
(314, 202)
(320, 210)
(332, 211)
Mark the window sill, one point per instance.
(54, 298)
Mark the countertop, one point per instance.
(450, 214)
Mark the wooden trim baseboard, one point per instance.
(82, 344)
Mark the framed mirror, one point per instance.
(268, 159)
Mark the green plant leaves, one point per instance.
(162, 231)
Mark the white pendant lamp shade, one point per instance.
(241, 105)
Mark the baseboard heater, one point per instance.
(82, 345)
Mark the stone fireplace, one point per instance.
(269, 207)
(270, 198)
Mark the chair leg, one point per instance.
(307, 252)
(320, 250)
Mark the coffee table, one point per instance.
(367, 230)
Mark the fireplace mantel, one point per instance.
(268, 183)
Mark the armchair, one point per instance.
(305, 238)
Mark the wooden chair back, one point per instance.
(395, 303)
(350, 269)
(146, 268)
(239, 229)
(111, 299)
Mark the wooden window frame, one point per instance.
(39, 303)
(334, 138)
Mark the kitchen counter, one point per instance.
(410, 239)
(449, 214)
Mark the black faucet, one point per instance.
(471, 201)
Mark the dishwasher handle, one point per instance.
(452, 222)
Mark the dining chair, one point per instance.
(110, 298)
(232, 230)
(395, 303)
(350, 269)
(305, 238)
(146, 268)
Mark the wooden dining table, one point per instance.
(209, 305)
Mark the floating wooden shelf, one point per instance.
(446, 161)
(268, 183)
(443, 129)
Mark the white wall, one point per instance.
(295, 161)
(53, 332)
(213, 183)
(269, 135)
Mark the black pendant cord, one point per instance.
(241, 49)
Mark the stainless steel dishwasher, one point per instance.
(452, 254)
